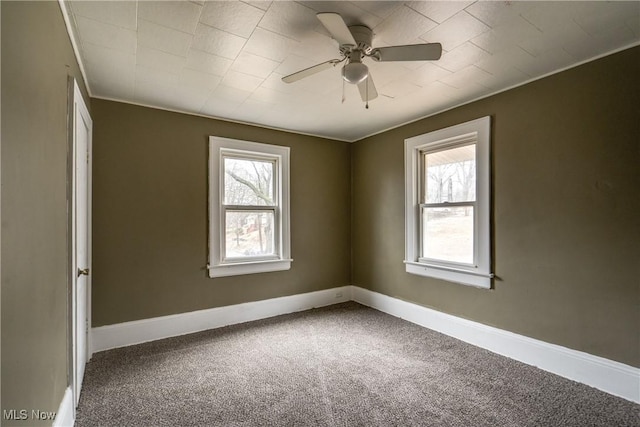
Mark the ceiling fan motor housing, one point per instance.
(363, 37)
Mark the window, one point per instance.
(248, 207)
(447, 179)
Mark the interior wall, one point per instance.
(150, 215)
(566, 229)
(37, 59)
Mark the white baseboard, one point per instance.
(139, 331)
(64, 416)
(604, 374)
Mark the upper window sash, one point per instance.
(459, 152)
(243, 156)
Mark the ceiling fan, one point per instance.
(355, 45)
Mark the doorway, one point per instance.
(80, 207)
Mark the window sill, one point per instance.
(470, 278)
(253, 267)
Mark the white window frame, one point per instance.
(219, 266)
(478, 273)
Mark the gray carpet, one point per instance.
(343, 365)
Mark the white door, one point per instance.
(81, 218)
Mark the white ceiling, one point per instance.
(225, 59)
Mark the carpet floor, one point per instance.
(342, 365)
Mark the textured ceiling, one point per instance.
(226, 59)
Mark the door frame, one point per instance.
(77, 106)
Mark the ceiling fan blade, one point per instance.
(299, 75)
(334, 23)
(367, 89)
(411, 52)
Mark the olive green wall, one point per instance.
(36, 60)
(566, 223)
(150, 215)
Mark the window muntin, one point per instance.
(249, 207)
(448, 204)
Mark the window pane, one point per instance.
(249, 234)
(248, 182)
(450, 175)
(447, 234)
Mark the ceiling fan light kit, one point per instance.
(355, 71)
(355, 44)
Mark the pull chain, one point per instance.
(367, 93)
(343, 96)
